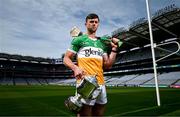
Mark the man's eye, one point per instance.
(94, 22)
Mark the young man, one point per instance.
(92, 58)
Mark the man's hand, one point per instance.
(78, 72)
(115, 40)
(114, 43)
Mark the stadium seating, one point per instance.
(7, 81)
(33, 81)
(120, 80)
(20, 81)
(166, 78)
(140, 79)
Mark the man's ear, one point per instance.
(85, 24)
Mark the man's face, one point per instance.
(92, 25)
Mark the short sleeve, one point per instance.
(106, 42)
(75, 45)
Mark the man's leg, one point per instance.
(86, 110)
(98, 109)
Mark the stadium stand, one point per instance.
(32, 81)
(20, 81)
(141, 79)
(133, 66)
(120, 81)
(7, 81)
(166, 79)
(135, 55)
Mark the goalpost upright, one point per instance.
(153, 53)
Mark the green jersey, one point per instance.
(90, 55)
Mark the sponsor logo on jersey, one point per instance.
(90, 51)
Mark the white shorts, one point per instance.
(101, 99)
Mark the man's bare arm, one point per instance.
(68, 62)
(110, 59)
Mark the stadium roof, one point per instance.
(30, 59)
(165, 25)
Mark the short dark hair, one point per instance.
(92, 16)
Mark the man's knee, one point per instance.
(86, 110)
(98, 109)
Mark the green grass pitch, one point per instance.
(122, 101)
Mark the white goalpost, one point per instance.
(153, 53)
